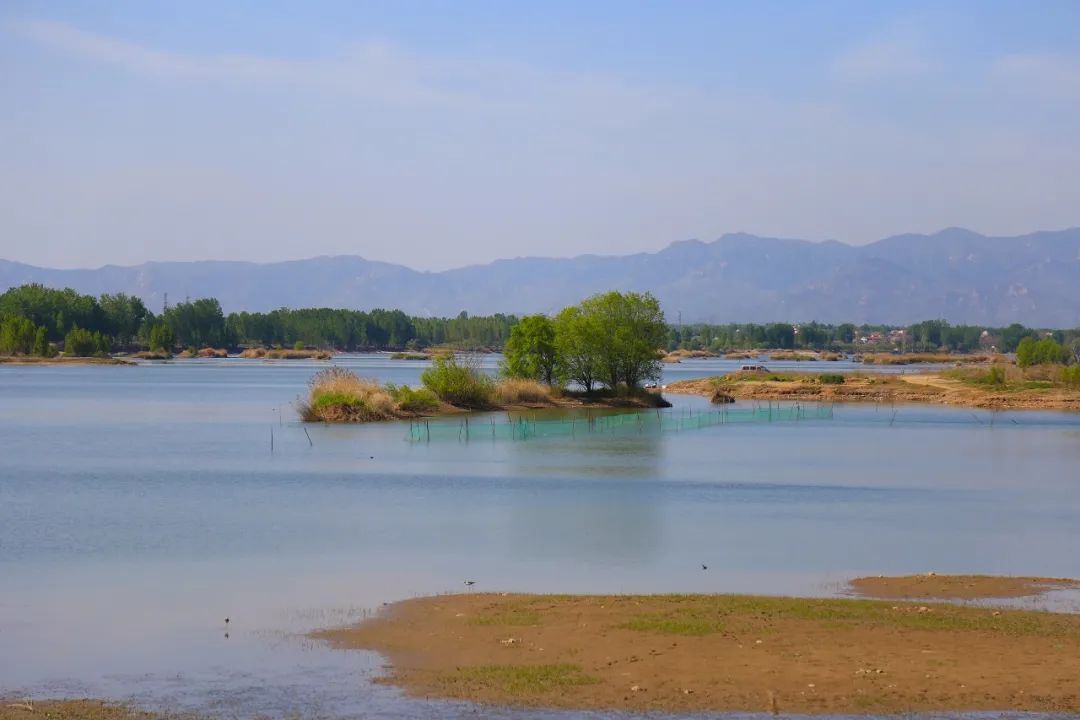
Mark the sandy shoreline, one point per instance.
(26, 360)
(688, 653)
(916, 388)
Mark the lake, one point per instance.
(140, 506)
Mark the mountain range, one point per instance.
(955, 274)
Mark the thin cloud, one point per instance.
(1052, 77)
(896, 56)
(370, 69)
(380, 73)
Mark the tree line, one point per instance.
(926, 336)
(36, 320)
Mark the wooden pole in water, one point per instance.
(271, 439)
(311, 444)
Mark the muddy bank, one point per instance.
(927, 388)
(958, 587)
(29, 360)
(27, 709)
(725, 653)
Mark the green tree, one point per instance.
(41, 344)
(577, 348)
(80, 342)
(1025, 352)
(17, 336)
(161, 339)
(626, 331)
(530, 351)
(198, 323)
(124, 315)
(1049, 352)
(1012, 336)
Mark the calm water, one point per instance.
(139, 506)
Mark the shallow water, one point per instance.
(139, 506)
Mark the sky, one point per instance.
(439, 134)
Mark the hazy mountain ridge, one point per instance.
(954, 274)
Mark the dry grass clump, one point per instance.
(912, 358)
(719, 397)
(209, 352)
(518, 391)
(679, 355)
(285, 354)
(339, 395)
(1003, 376)
(742, 355)
(793, 355)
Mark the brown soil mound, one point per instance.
(958, 587)
(726, 653)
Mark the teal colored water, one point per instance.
(140, 506)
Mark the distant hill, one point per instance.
(954, 274)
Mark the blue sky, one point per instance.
(437, 134)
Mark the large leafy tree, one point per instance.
(124, 315)
(624, 332)
(577, 348)
(530, 351)
(198, 323)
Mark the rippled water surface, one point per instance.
(140, 506)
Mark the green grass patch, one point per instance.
(681, 621)
(705, 614)
(519, 679)
(418, 400)
(516, 614)
(325, 399)
(831, 379)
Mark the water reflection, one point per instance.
(140, 506)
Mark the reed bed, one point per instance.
(915, 358)
(514, 391)
(339, 395)
(285, 354)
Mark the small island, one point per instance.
(599, 352)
